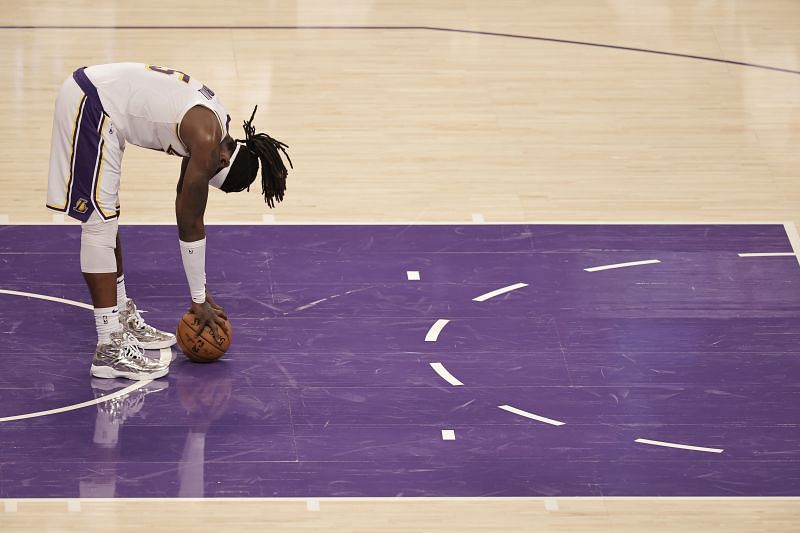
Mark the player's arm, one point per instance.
(202, 134)
(209, 298)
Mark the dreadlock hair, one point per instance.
(259, 147)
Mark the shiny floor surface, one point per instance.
(506, 369)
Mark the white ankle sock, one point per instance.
(122, 298)
(106, 320)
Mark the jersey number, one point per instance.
(205, 91)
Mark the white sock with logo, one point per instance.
(122, 297)
(106, 320)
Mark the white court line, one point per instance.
(445, 374)
(477, 218)
(452, 223)
(794, 238)
(394, 499)
(107, 397)
(165, 355)
(768, 254)
(48, 298)
(412, 275)
(436, 328)
(551, 504)
(448, 434)
(681, 446)
(312, 505)
(622, 265)
(498, 292)
(532, 416)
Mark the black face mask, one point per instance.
(242, 172)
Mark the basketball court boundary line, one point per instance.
(794, 238)
(445, 223)
(399, 28)
(354, 499)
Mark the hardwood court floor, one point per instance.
(391, 116)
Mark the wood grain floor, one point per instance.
(391, 116)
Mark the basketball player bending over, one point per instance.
(98, 110)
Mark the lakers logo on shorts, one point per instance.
(81, 206)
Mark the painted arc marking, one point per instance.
(435, 330)
(448, 434)
(794, 238)
(498, 292)
(48, 298)
(117, 394)
(412, 275)
(530, 415)
(680, 446)
(102, 399)
(445, 374)
(768, 254)
(622, 265)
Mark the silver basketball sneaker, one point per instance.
(124, 357)
(149, 337)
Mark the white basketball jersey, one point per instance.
(146, 103)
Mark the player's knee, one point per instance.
(98, 240)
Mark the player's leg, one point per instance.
(82, 147)
(149, 337)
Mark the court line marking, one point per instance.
(401, 28)
(165, 355)
(312, 505)
(435, 330)
(335, 499)
(622, 265)
(681, 446)
(412, 275)
(74, 407)
(498, 292)
(453, 223)
(445, 374)
(768, 254)
(794, 238)
(48, 298)
(448, 434)
(530, 415)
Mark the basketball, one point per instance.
(203, 348)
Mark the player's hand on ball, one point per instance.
(208, 316)
(218, 308)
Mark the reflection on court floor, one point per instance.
(424, 360)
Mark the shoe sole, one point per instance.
(157, 345)
(107, 372)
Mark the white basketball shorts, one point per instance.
(85, 154)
